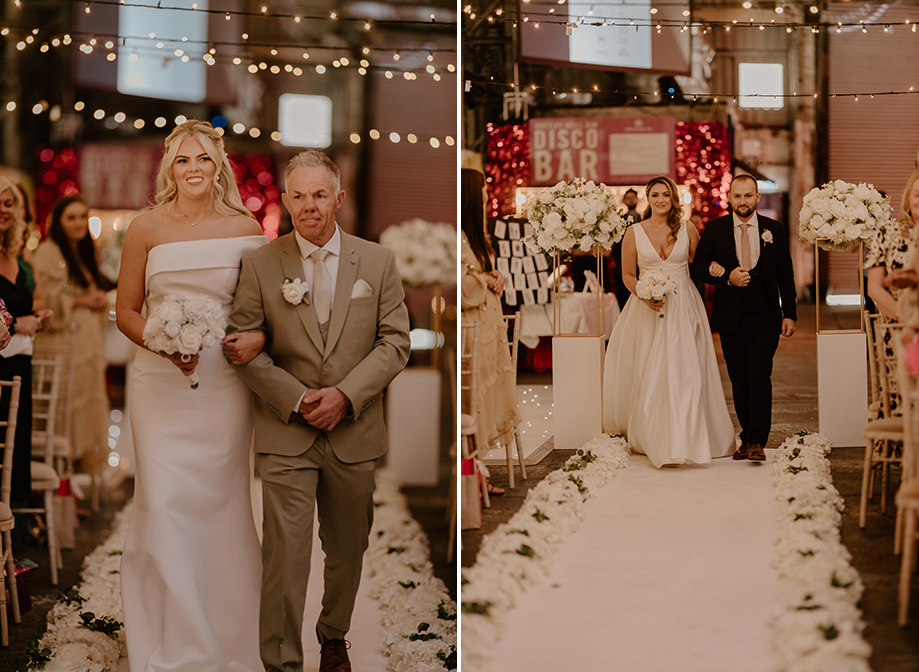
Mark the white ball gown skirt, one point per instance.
(191, 569)
(661, 386)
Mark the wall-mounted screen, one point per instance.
(616, 35)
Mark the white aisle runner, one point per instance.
(669, 572)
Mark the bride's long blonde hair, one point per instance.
(675, 215)
(227, 200)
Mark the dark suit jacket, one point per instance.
(717, 244)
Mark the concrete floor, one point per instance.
(794, 408)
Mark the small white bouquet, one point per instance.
(573, 215)
(425, 252)
(184, 324)
(654, 285)
(839, 214)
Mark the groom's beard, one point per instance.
(743, 211)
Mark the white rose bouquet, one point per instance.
(573, 215)
(839, 214)
(425, 252)
(654, 285)
(185, 324)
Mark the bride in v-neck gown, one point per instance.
(661, 385)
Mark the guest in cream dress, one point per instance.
(482, 286)
(65, 264)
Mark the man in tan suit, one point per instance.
(333, 345)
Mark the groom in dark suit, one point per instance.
(746, 257)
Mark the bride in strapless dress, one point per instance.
(191, 568)
(661, 386)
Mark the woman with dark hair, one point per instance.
(482, 286)
(661, 386)
(65, 264)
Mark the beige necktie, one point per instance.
(322, 286)
(745, 260)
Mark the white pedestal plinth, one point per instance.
(842, 387)
(577, 380)
(413, 425)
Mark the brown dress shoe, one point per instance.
(741, 453)
(333, 654)
(756, 453)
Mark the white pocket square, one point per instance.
(361, 290)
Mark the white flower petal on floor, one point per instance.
(817, 625)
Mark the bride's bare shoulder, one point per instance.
(146, 228)
(241, 225)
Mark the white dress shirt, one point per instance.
(752, 236)
(331, 263)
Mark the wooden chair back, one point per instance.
(46, 393)
(9, 425)
(467, 371)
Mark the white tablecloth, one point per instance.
(578, 316)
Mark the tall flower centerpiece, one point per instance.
(426, 255)
(425, 252)
(575, 215)
(840, 214)
(836, 217)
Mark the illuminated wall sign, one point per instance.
(611, 151)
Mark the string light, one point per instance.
(704, 95)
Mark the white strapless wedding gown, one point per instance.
(661, 386)
(191, 569)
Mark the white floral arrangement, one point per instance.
(517, 554)
(417, 612)
(654, 285)
(184, 324)
(840, 214)
(425, 252)
(85, 630)
(573, 215)
(817, 624)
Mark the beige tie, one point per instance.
(745, 260)
(322, 286)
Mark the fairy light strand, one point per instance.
(238, 130)
(697, 98)
(229, 14)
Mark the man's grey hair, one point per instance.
(313, 158)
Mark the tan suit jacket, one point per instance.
(367, 345)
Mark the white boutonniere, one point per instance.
(767, 236)
(295, 291)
